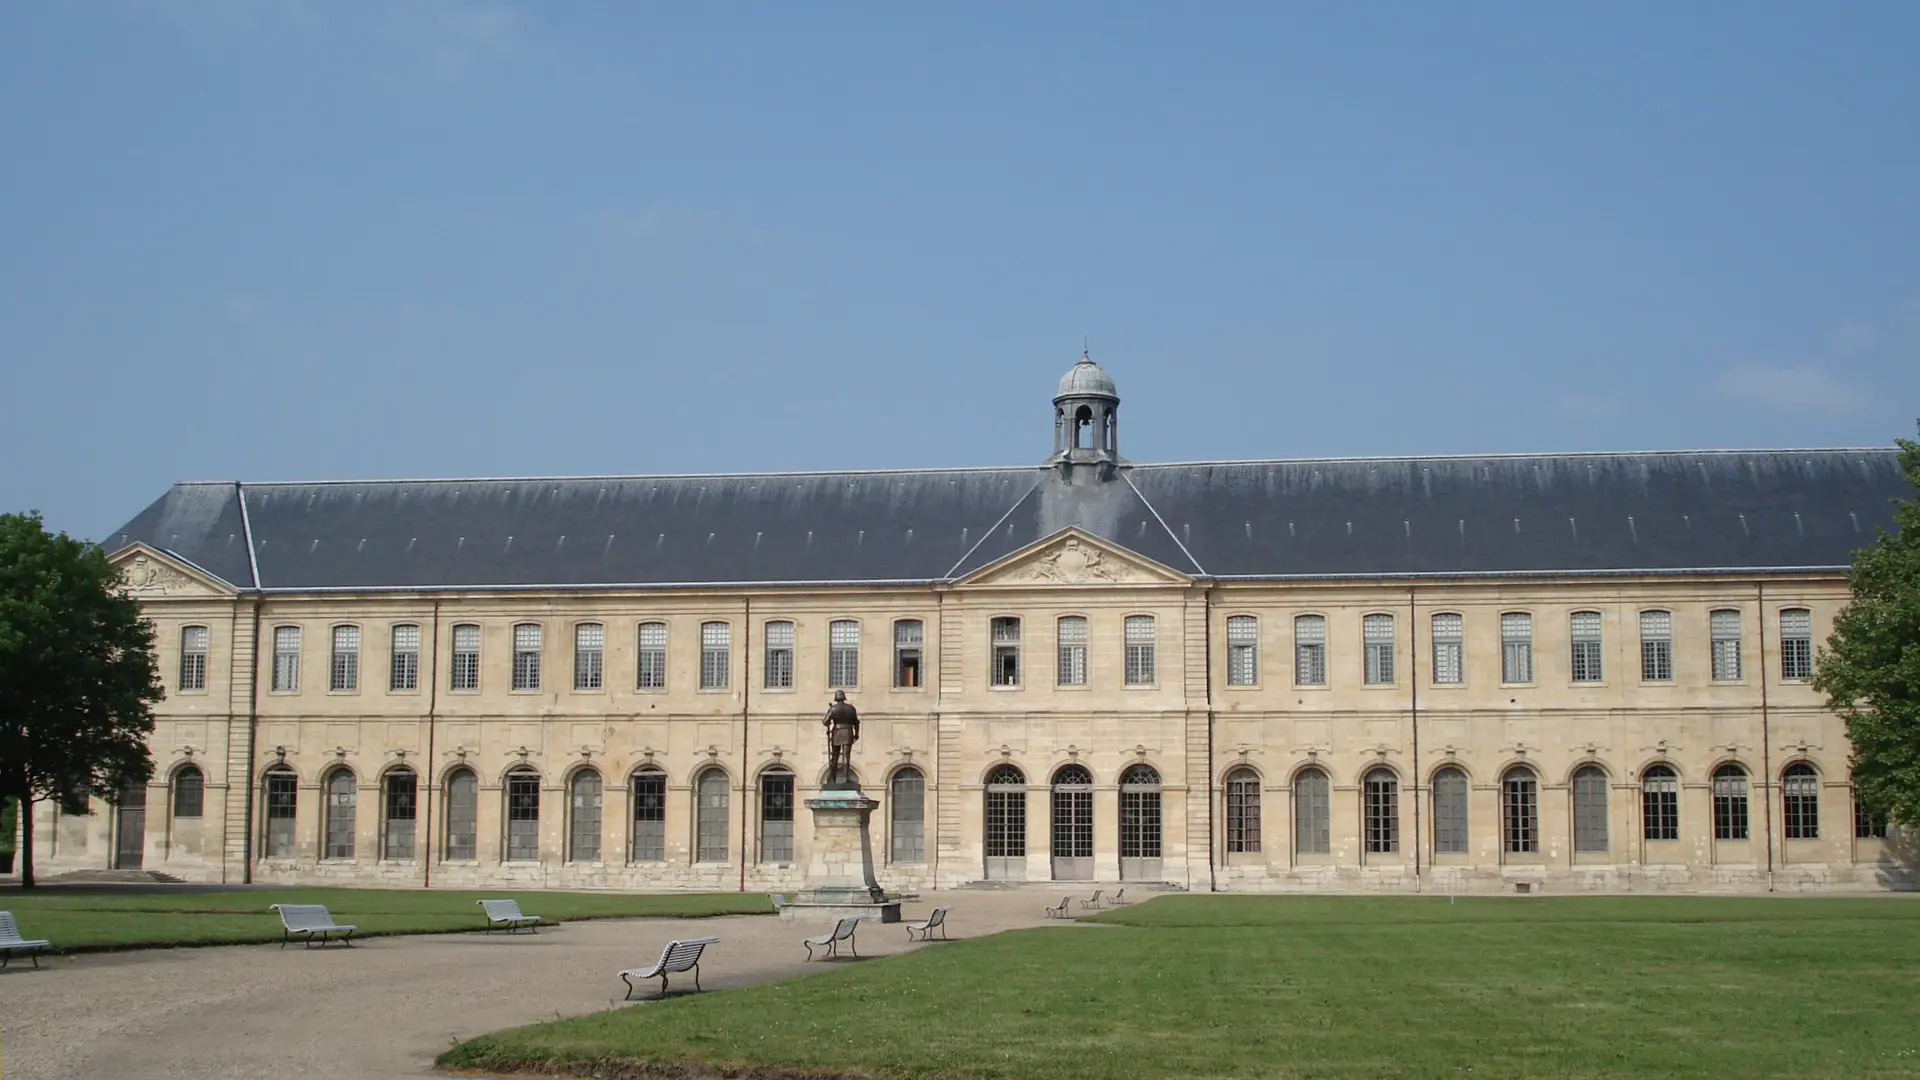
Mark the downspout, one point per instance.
(433, 706)
(1213, 875)
(1766, 731)
(253, 737)
(746, 707)
(929, 667)
(1413, 672)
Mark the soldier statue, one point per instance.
(843, 730)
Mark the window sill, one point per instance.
(342, 693)
(1379, 686)
(1446, 686)
(391, 692)
(1314, 687)
(590, 691)
(909, 689)
(1078, 687)
(525, 691)
(649, 689)
(777, 690)
(1518, 686)
(714, 690)
(202, 692)
(1598, 685)
(1002, 688)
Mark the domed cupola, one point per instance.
(1086, 416)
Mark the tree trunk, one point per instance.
(26, 841)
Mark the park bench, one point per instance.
(311, 921)
(1091, 903)
(1118, 899)
(842, 931)
(507, 913)
(778, 900)
(1061, 911)
(11, 942)
(937, 919)
(677, 957)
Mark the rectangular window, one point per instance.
(1006, 651)
(1376, 633)
(843, 653)
(400, 803)
(716, 648)
(779, 665)
(1656, 646)
(526, 657)
(1725, 627)
(908, 649)
(1796, 644)
(403, 660)
(1310, 650)
(649, 816)
(466, 658)
(1243, 651)
(286, 659)
(1139, 632)
(344, 671)
(776, 817)
(589, 656)
(1516, 648)
(1448, 646)
(1584, 627)
(653, 657)
(1868, 825)
(193, 658)
(1073, 651)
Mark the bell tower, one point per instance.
(1086, 419)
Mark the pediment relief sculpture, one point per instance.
(148, 574)
(1074, 561)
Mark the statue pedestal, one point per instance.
(840, 879)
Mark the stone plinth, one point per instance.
(840, 879)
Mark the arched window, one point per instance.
(1243, 651)
(1243, 811)
(1729, 803)
(1660, 803)
(1590, 809)
(523, 816)
(1139, 823)
(710, 816)
(649, 816)
(1072, 823)
(339, 814)
(907, 806)
(1800, 799)
(1312, 829)
(776, 816)
(463, 808)
(1142, 669)
(399, 804)
(1450, 812)
(1006, 833)
(1520, 811)
(281, 793)
(583, 816)
(189, 792)
(1381, 792)
(1310, 650)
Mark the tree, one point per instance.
(77, 675)
(1870, 667)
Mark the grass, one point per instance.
(1203, 986)
(92, 920)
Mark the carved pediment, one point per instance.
(150, 574)
(1074, 558)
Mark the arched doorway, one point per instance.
(1140, 824)
(1006, 824)
(130, 828)
(1072, 824)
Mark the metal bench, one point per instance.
(677, 957)
(11, 942)
(1092, 903)
(507, 913)
(778, 900)
(937, 919)
(1119, 898)
(311, 921)
(842, 931)
(1060, 912)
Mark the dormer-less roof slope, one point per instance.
(1737, 510)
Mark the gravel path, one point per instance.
(383, 1009)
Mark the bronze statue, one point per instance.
(843, 730)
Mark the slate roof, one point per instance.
(1360, 518)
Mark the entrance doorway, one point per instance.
(1006, 824)
(1072, 824)
(130, 828)
(1140, 824)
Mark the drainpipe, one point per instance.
(433, 705)
(253, 749)
(746, 707)
(1766, 732)
(1413, 673)
(1213, 876)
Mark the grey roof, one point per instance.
(1732, 510)
(1086, 379)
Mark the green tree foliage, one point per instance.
(77, 674)
(1870, 667)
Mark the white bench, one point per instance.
(507, 913)
(311, 921)
(677, 957)
(1061, 911)
(842, 931)
(937, 919)
(11, 942)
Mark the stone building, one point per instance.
(1572, 672)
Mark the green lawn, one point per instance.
(1206, 986)
(80, 921)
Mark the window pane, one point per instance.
(399, 808)
(1590, 809)
(1520, 812)
(286, 659)
(1139, 631)
(652, 674)
(1796, 644)
(710, 809)
(583, 825)
(1310, 650)
(1382, 809)
(1725, 626)
(1450, 812)
(345, 669)
(193, 658)
(908, 794)
(1004, 633)
(1312, 834)
(779, 664)
(1140, 819)
(281, 797)
(649, 816)
(1660, 803)
(1006, 813)
(463, 808)
(1243, 651)
(526, 657)
(1800, 799)
(1585, 628)
(1073, 651)
(1516, 647)
(589, 655)
(1656, 646)
(843, 659)
(1377, 637)
(716, 643)
(1243, 811)
(1729, 803)
(523, 817)
(466, 658)
(776, 817)
(908, 637)
(189, 793)
(339, 813)
(403, 664)
(1448, 648)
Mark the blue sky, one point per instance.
(312, 240)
